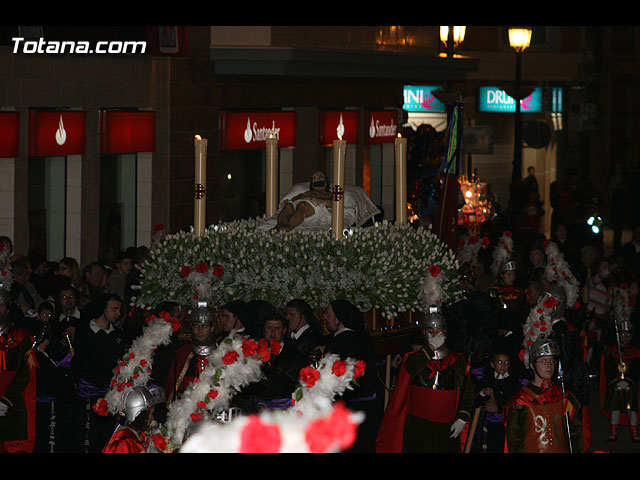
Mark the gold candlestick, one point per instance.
(272, 175)
(401, 179)
(200, 190)
(337, 209)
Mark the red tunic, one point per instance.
(124, 440)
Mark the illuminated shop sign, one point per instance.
(9, 134)
(250, 130)
(494, 99)
(127, 132)
(421, 99)
(54, 133)
(381, 126)
(339, 124)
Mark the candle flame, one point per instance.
(198, 137)
(339, 137)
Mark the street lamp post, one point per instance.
(519, 40)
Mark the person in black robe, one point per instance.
(305, 333)
(349, 339)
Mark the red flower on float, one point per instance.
(473, 239)
(550, 302)
(218, 270)
(249, 347)
(309, 376)
(202, 267)
(339, 368)
(359, 369)
(434, 270)
(159, 441)
(185, 271)
(259, 437)
(275, 347)
(335, 430)
(485, 241)
(230, 357)
(263, 350)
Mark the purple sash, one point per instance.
(274, 404)
(66, 361)
(86, 389)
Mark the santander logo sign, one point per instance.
(250, 130)
(255, 133)
(383, 126)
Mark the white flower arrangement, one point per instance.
(318, 387)
(622, 308)
(235, 363)
(557, 270)
(538, 323)
(380, 267)
(137, 363)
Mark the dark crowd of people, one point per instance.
(468, 380)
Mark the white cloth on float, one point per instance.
(358, 209)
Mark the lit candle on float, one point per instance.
(337, 209)
(272, 175)
(401, 179)
(200, 185)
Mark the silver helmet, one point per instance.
(508, 265)
(434, 318)
(542, 347)
(200, 314)
(139, 399)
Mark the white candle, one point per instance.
(272, 175)
(337, 209)
(200, 187)
(401, 179)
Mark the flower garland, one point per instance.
(538, 323)
(136, 365)
(469, 246)
(380, 267)
(318, 387)
(235, 363)
(622, 308)
(280, 431)
(503, 251)
(558, 271)
(6, 277)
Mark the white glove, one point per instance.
(437, 340)
(3, 409)
(456, 427)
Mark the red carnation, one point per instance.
(550, 302)
(309, 376)
(249, 347)
(263, 350)
(339, 368)
(546, 242)
(185, 271)
(473, 239)
(202, 405)
(485, 241)
(100, 407)
(196, 416)
(230, 357)
(259, 437)
(334, 431)
(159, 441)
(359, 369)
(218, 270)
(507, 233)
(275, 347)
(460, 244)
(202, 267)
(212, 394)
(434, 270)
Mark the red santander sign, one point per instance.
(56, 133)
(336, 125)
(127, 132)
(250, 130)
(9, 134)
(381, 126)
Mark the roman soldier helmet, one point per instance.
(503, 255)
(200, 314)
(139, 399)
(434, 318)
